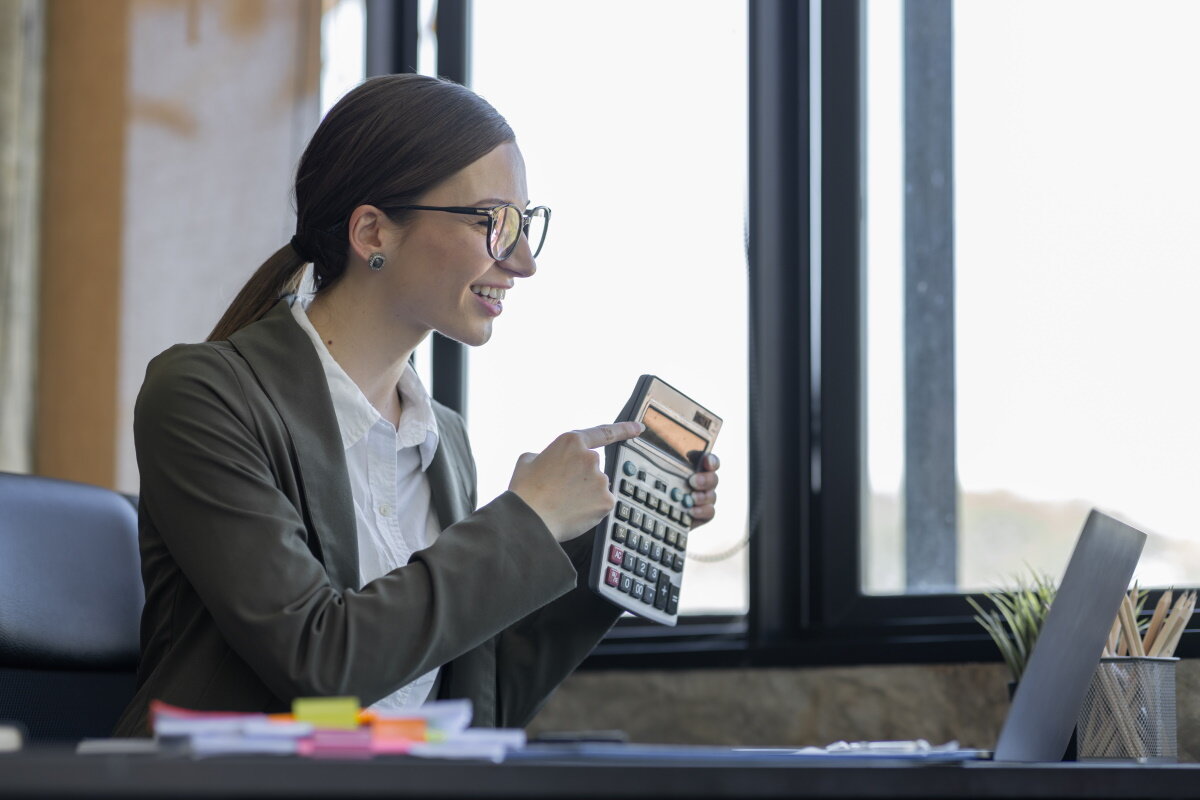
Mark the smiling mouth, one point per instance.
(490, 292)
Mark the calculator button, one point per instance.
(676, 494)
(648, 597)
(672, 513)
(668, 536)
(622, 511)
(626, 487)
(662, 593)
(615, 554)
(619, 532)
(685, 520)
(632, 539)
(678, 562)
(673, 600)
(638, 590)
(629, 468)
(688, 501)
(653, 573)
(641, 569)
(658, 530)
(612, 577)
(656, 551)
(644, 545)
(681, 541)
(660, 486)
(626, 583)
(641, 474)
(630, 560)
(639, 494)
(635, 518)
(668, 559)
(648, 525)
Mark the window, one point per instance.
(1073, 265)
(653, 149)
(1057, 342)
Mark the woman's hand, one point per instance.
(704, 486)
(564, 483)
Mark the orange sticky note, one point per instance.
(411, 730)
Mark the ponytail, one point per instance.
(279, 275)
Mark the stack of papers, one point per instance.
(334, 727)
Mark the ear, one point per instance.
(369, 227)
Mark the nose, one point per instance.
(521, 262)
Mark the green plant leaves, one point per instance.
(1017, 620)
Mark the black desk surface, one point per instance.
(48, 773)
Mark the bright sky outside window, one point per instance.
(635, 135)
(1076, 267)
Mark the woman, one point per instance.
(308, 515)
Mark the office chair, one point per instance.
(70, 603)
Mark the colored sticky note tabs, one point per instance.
(409, 730)
(327, 712)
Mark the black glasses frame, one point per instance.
(493, 214)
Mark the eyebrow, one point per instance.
(497, 201)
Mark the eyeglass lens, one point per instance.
(506, 231)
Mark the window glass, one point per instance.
(632, 119)
(1077, 262)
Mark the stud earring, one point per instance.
(376, 261)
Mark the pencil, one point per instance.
(1156, 621)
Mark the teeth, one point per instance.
(489, 291)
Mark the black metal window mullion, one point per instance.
(778, 258)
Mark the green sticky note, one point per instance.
(327, 712)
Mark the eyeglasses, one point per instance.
(506, 223)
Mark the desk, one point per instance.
(45, 773)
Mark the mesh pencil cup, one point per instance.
(1128, 713)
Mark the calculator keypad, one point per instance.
(648, 539)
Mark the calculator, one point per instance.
(639, 550)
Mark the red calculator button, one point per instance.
(612, 577)
(615, 554)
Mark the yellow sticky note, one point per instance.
(327, 712)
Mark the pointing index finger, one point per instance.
(607, 434)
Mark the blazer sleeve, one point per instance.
(535, 654)
(213, 488)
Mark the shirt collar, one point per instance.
(355, 414)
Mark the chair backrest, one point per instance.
(70, 603)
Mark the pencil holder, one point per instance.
(1128, 712)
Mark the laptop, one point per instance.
(1043, 712)
(1050, 693)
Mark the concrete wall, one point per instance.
(814, 706)
(172, 130)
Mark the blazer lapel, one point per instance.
(447, 471)
(289, 371)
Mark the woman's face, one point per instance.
(438, 269)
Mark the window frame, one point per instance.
(806, 387)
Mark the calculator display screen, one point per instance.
(672, 438)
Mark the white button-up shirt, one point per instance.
(394, 515)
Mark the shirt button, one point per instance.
(385, 510)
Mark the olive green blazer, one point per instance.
(250, 560)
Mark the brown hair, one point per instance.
(387, 142)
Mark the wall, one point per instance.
(22, 36)
(785, 707)
(172, 133)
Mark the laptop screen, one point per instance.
(1051, 690)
